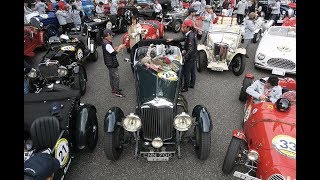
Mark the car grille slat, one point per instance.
(281, 63)
(276, 177)
(157, 122)
(49, 71)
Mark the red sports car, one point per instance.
(152, 29)
(267, 144)
(33, 38)
(289, 22)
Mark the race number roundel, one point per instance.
(62, 151)
(247, 113)
(285, 145)
(169, 75)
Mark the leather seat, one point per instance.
(45, 132)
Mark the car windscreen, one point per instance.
(229, 38)
(282, 31)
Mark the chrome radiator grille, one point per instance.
(157, 122)
(49, 71)
(276, 177)
(281, 63)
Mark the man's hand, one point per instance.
(169, 40)
(262, 98)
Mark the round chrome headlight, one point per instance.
(157, 142)
(182, 122)
(89, 28)
(131, 123)
(32, 73)
(253, 155)
(41, 24)
(62, 71)
(261, 56)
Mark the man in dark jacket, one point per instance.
(111, 61)
(189, 54)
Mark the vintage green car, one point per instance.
(160, 123)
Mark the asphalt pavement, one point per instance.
(218, 91)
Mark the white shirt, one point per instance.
(99, 10)
(157, 8)
(109, 48)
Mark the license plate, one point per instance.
(278, 72)
(217, 69)
(244, 176)
(157, 156)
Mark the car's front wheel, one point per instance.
(80, 80)
(231, 156)
(238, 64)
(202, 61)
(92, 130)
(113, 147)
(203, 143)
(176, 26)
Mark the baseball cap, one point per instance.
(190, 10)
(107, 31)
(188, 22)
(41, 166)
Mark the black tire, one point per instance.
(202, 61)
(99, 38)
(231, 156)
(203, 143)
(80, 81)
(176, 26)
(92, 134)
(245, 84)
(238, 64)
(113, 147)
(93, 56)
(124, 26)
(256, 37)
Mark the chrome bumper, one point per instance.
(244, 176)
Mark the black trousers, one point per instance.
(240, 18)
(189, 75)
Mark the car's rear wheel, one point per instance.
(80, 80)
(176, 26)
(238, 64)
(113, 147)
(94, 56)
(203, 143)
(245, 84)
(256, 37)
(202, 61)
(231, 156)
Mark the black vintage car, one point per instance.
(62, 64)
(160, 123)
(93, 28)
(55, 122)
(123, 19)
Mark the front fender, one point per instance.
(238, 134)
(238, 51)
(86, 112)
(114, 115)
(77, 68)
(203, 117)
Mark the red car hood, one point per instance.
(273, 135)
